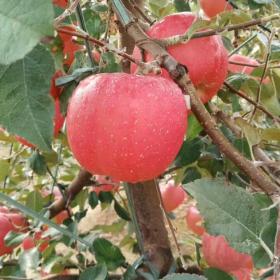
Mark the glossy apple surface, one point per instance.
(211, 8)
(219, 254)
(128, 127)
(205, 58)
(172, 195)
(234, 68)
(10, 222)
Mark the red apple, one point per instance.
(69, 46)
(194, 220)
(4, 209)
(219, 254)
(10, 222)
(205, 58)
(234, 68)
(172, 195)
(31, 242)
(61, 3)
(106, 184)
(96, 55)
(128, 127)
(211, 8)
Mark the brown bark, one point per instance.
(83, 179)
(145, 201)
(150, 220)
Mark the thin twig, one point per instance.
(263, 74)
(82, 24)
(185, 37)
(242, 45)
(258, 106)
(68, 12)
(141, 13)
(99, 43)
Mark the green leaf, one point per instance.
(23, 24)
(111, 64)
(37, 163)
(29, 212)
(14, 238)
(189, 152)
(114, 228)
(183, 276)
(26, 107)
(106, 252)
(95, 25)
(194, 127)
(93, 199)
(231, 211)
(182, 6)
(190, 175)
(4, 169)
(121, 211)
(99, 8)
(216, 274)
(97, 272)
(35, 201)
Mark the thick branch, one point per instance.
(83, 179)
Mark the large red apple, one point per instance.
(219, 254)
(234, 68)
(172, 195)
(128, 127)
(194, 220)
(211, 8)
(106, 183)
(205, 58)
(10, 222)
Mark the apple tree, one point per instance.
(121, 121)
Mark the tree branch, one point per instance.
(84, 178)
(258, 106)
(174, 40)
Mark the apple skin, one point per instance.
(172, 196)
(211, 8)
(219, 254)
(30, 242)
(60, 3)
(205, 58)
(108, 184)
(239, 68)
(10, 222)
(128, 127)
(194, 220)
